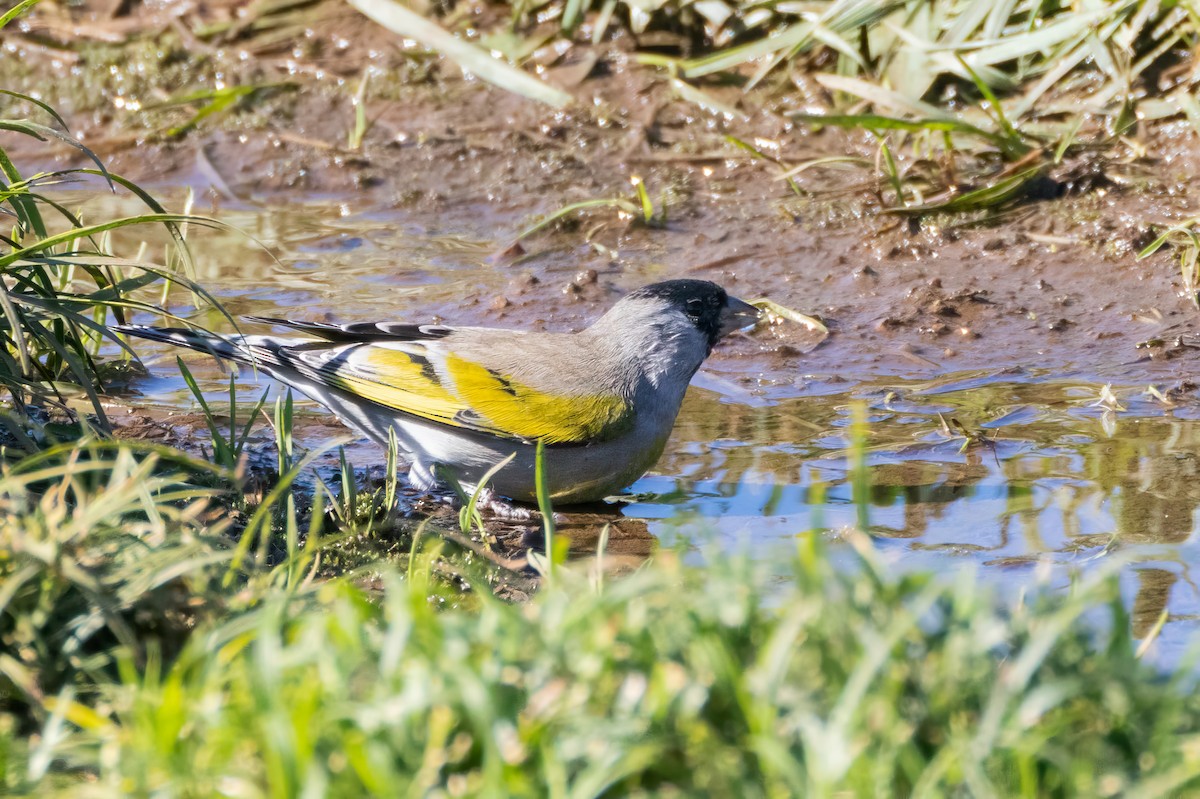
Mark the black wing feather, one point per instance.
(360, 331)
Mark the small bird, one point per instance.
(602, 400)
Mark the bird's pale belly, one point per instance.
(574, 473)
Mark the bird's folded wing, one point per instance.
(461, 393)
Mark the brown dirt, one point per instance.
(1055, 286)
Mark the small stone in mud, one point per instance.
(866, 271)
(994, 244)
(1180, 389)
(1143, 238)
(943, 308)
(1044, 286)
(524, 281)
(499, 303)
(586, 277)
(365, 180)
(1059, 324)
(936, 329)
(910, 250)
(514, 250)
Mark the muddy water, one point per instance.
(1022, 473)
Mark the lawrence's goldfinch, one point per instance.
(603, 400)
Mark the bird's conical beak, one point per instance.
(737, 315)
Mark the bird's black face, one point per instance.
(705, 304)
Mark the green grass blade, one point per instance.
(28, 215)
(34, 101)
(470, 514)
(986, 197)
(567, 210)
(39, 132)
(16, 323)
(891, 170)
(878, 122)
(172, 225)
(221, 454)
(572, 14)
(545, 506)
(50, 241)
(996, 108)
(16, 11)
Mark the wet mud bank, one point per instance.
(1050, 283)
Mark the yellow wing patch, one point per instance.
(480, 399)
(399, 380)
(520, 410)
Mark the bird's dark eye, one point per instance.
(695, 306)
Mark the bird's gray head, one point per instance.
(673, 326)
(704, 305)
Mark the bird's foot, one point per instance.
(502, 509)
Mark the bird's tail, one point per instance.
(195, 340)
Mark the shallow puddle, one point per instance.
(1050, 476)
(1015, 472)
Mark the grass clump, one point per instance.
(675, 680)
(61, 279)
(100, 550)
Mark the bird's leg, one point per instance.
(428, 477)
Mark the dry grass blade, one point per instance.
(624, 206)
(403, 21)
(829, 161)
(776, 312)
(884, 100)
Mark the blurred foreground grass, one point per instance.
(136, 661)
